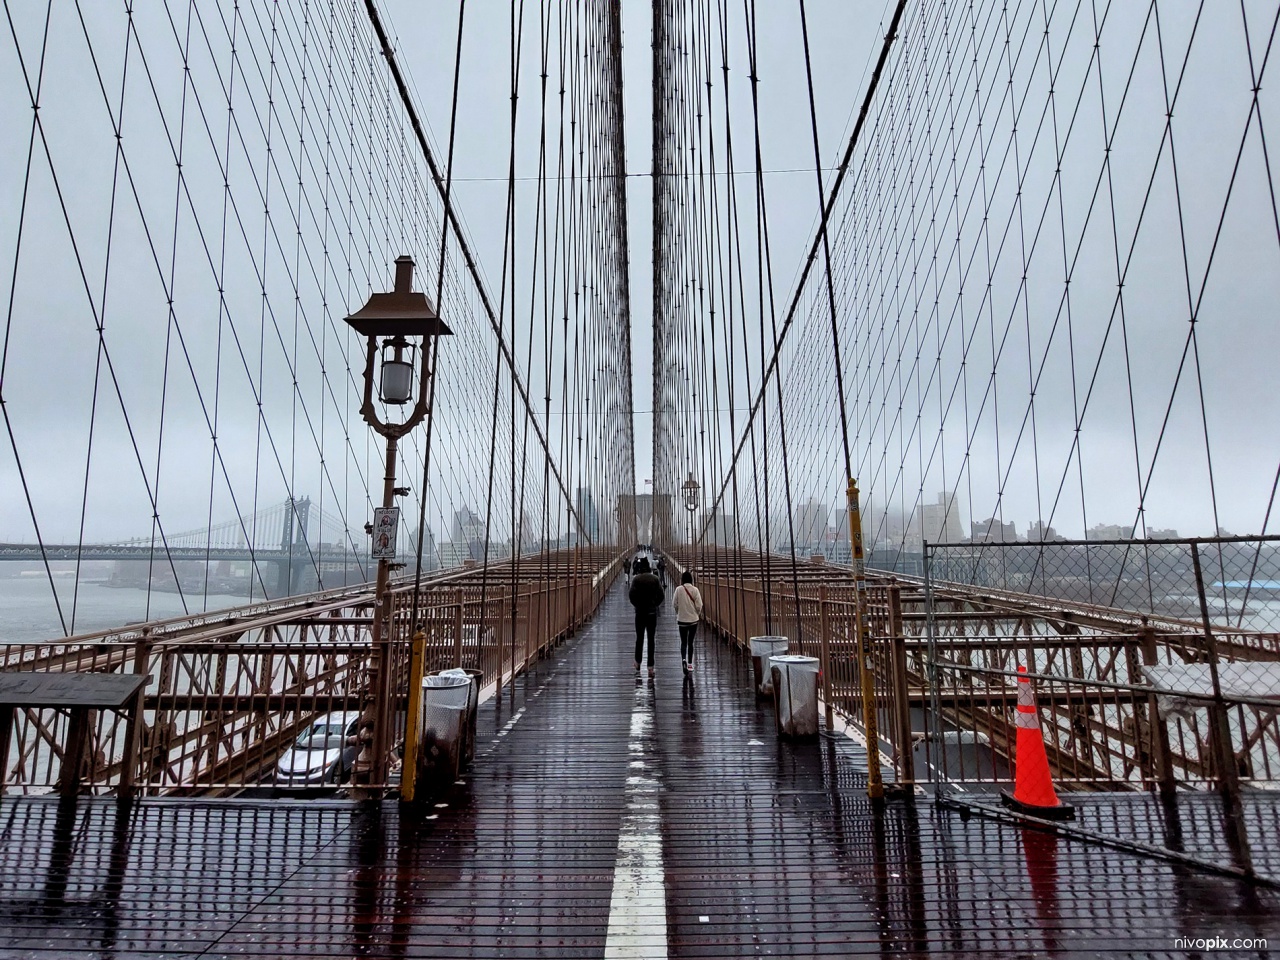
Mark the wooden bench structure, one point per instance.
(78, 693)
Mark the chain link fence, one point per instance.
(1233, 583)
(1155, 664)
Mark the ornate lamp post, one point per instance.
(407, 325)
(691, 491)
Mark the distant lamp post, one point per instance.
(691, 498)
(406, 324)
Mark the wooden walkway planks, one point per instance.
(773, 844)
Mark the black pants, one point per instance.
(687, 632)
(645, 623)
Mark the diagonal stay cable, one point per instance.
(451, 214)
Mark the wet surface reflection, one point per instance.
(73, 879)
(1041, 851)
(768, 848)
(368, 846)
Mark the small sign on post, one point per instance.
(386, 521)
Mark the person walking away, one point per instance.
(662, 571)
(687, 601)
(646, 595)
(626, 567)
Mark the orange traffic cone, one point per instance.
(1033, 792)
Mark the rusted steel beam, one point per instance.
(919, 697)
(265, 753)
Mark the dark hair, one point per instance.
(686, 577)
(642, 565)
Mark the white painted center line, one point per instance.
(638, 907)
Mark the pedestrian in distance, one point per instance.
(662, 571)
(646, 595)
(626, 567)
(687, 601)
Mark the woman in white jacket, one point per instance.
(688, 605)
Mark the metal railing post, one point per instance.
(1156, 723)
(936, 754)
(866, 667)
(457, 631)
(824, 626)
(1220, 734)
(905, 761)
(135, 722)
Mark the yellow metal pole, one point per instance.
(875, 785)
(417, 665)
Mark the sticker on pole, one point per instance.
(386, 520)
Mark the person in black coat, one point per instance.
(646, 596)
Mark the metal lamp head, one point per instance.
(397, 319)
(397, 373)
(691, 489)
(393, 317)
(401, 313)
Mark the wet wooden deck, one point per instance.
(734, 845)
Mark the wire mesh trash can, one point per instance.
(762, 648)
(444, 722)
(468, 752)
(795, 693)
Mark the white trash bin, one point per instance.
(762, 648)
(795, 688)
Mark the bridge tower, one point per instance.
(294, 561)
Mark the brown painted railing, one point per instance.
(944, 675)
(229, 693)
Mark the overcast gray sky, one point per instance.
(1219, 408)
(842, 49)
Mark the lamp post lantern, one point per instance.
(401, 325)
(691, 491)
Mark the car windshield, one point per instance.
(322, 736)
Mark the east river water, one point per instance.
(28, 611)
